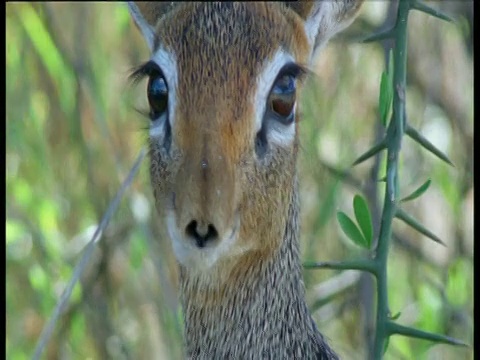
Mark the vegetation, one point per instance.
(73, 134)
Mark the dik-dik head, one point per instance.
(223, 86)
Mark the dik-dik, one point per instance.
(223, 85)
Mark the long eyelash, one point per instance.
(306, 71)
(298, 71)
(292, 69)
(142, 71)
(138, 73)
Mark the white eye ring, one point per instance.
(280, 135)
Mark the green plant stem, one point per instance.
(394, 135)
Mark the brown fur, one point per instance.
(220, 132)
(251, 303)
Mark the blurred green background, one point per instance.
(73, 133)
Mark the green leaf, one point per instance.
(390, 67)
(386, 91)
(364, 219)
(351, 230)
(420, 190)
(396, 316)
(384, 100)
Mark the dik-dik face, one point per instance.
(223, 85)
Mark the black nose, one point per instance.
(201, 233)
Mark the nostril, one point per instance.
(201, 234)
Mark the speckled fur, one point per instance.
(250, 304)
(261, 314)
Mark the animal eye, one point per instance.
(157, 92)
(282, 98)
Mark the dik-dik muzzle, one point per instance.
(204, 204)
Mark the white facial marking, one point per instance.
(167, 63)
(157, 130)
(191, 256)
(279, 134)
(323, 22)
(313, 22)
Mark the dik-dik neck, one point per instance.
(260, 312)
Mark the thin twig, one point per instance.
(48, 329)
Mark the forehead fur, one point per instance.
(220, 47)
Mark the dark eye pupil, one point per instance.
(281, 107)
(282, 97)
(157, 93)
